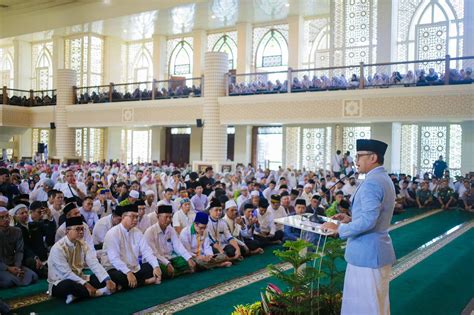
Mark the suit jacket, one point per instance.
(369, 244)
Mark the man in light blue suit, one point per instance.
(369, 251)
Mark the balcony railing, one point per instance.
(27, 98)
(138, 91)
(363, 76)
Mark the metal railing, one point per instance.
(28, 98)
(139, 91)
(362, 76)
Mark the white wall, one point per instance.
(158, 145)
(467, 158)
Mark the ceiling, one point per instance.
(15, 7)
(148, 17)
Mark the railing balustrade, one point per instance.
(28, 98)
(362, 76)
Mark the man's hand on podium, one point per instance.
(329, 227)
(342, 217)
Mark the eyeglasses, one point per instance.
(363, 154)
(77, 229)
(132, 216)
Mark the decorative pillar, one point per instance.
(244, 47)
(159, 57)
(58, 57)
(295, 41)
(396, 147)
(214, 148)
(22, 64)
(384, 28)
(199, 49)
(468, 42)
(112, 60)
(65, 136)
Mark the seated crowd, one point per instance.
(139, 94)
(27, 101)
(338, 82)
(136, 225)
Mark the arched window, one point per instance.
(225, 43)
(42, 66)
(6, 67)
(139, 62)
(429, 30)
(85, 54)
(317, 41)
(181, 59)
(271, 50)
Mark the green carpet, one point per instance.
(41, 286)
(409, 213)
(142, 298)
(405, 240)
(441, 284)
(412, 236)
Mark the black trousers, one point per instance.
(66, 287)
(265, 241)
(252, 244)
(145, 272)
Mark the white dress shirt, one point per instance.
(189, 239)
(181, 219)
(66, 189)
(218, 232)
(144, 223)
(165, 244)
(101, 228)
(59, 268)
(266, 223)
(134, 245)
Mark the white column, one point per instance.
(22, 64)
(65, 136)
(467, 162)
(384, 31)
(244, 47)
(383, 132)
(195, 144)
(114, 143)
(26, 140)
(158, 143)
(396, 147)
(113, 60)
(199, 50)
(58, 57)
(468, 48)
(295, 41)
(243, 144)
(159, 57)
(214, 147)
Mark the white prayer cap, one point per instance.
(308, 186)
(244, 187)
(254, 194)
(4, 199)
(149, 192)
(3, 210)
(230, 204)
(134, 194)
(16, 209)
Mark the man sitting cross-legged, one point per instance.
(197, 243)
(66, 263)
(166, 246)
(265, 231)
(124, 244)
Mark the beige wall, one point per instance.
(438, 103)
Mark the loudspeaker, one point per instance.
(52, 125)
(199, 123)
(40, 147)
